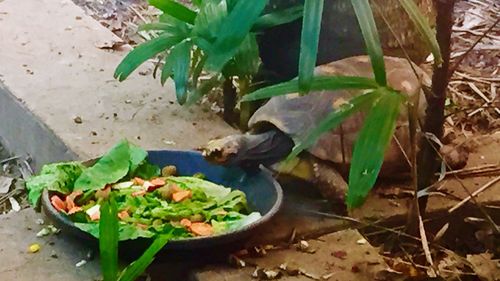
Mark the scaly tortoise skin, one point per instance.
(297, 115)
(285, 120)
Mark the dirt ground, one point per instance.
(472, 128)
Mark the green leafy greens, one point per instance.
(144, 201)
(58, 177)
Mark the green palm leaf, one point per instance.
(175, 10)
(423, 28)
(177, 64)
(133, 271)
(309, 39)
(233, 31)
(278, 18)
(209, 20)
(144, 52)
(372, 41)
(108, 239)
(370, 147)
(334, 119)
(318, 83)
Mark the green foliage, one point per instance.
(311, 26)
(423, 28)
(110, 168)
(233, 31)
(278, 18)
(334, 119)
(175, 10)
(136, 268)
(318, 83)
(108, 243)
(371, 144)
(221, 34)
(59, 177)
(144, 52)
(108, 231)
(370, 35)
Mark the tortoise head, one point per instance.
(222, 151)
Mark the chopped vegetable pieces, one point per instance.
(148, 204)
(181, 195)
(58, 203)
(201, 229)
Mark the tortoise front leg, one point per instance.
(329, 181)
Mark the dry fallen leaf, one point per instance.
(5, 183)
(110, 45)
(339, 254)
(485, 267)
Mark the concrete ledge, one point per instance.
(52, 71)
(18, 126)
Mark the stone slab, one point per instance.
(18, 231)
(340, 256)
(52, 70)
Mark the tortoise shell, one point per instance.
(297, 115)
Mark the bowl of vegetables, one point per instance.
(200, 205)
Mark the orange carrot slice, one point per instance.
(201, 229)
(138, 193)
(186, 223)
(75, 209)
(58, 203)
(123, 215)
(158, 182)
(70, 199)
(174, 187)
(142, 226)
(138, 181)
(181, 195)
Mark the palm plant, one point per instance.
(383, 102)
(219, 37)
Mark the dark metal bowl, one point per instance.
(263, 193)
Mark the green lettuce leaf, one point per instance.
(146, 170)
(231, 225)
(137, 157)
(58, 177)
(209, 188)
(125, 231)
(111, 167)
(234, 201)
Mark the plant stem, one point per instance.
(229, 100)
(428, 160)
(246, 108)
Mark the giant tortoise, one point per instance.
(278, 125)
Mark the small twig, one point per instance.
(479, 93)
(9, 159)
(138, 14)
(353, 220)
(485, 80)
(474, 170)
(473, 194)
(486, 215)
(441, 232)
(425, 244)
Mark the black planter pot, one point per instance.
(340, 36)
